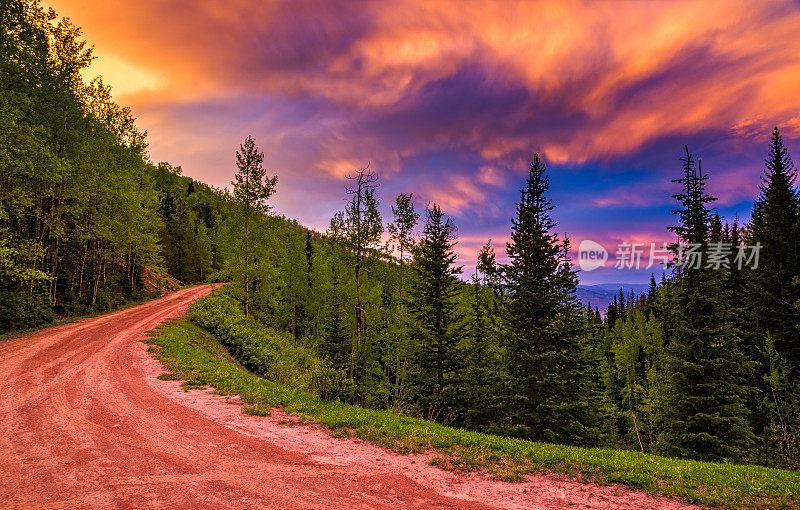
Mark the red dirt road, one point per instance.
(84, 423)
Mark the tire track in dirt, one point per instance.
(85, 423)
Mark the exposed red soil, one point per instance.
(85, 423)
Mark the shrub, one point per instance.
(330, 383)
(264, 351)
(21, 309)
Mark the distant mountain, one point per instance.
(602, 295)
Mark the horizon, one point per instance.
(451, 104)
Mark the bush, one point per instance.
(329, 383)
(21, 309)
(264, 351)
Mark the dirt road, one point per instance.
(85, 423)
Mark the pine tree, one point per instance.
(309, 258)
(554, 389)
(652, 290)
(482, 367)
(611, 313)
(293, 265)
(335, 341)
(251, 188)
(774, 224)
(433, 304)
(783, 411)
(704, 415)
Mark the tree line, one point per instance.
(704, 365)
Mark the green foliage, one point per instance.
(434, 306)
(704, 414)
(262, 350)
(636, 346)
(358, 229)
(335, 341)
(398, 345)
(189, 353)
(359, 226)
(86, 223)
(481, 359)
(402, 230)
(782, 403)
(695, 368)
(21, 309)
(78, 217)
(251, 188)
(775, 224)
(554, 387)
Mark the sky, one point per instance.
(450, 99)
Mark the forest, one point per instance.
(704, 365)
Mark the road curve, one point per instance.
(80, 428)
(84, 423)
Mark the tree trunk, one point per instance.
(54, 272)
(294, 316)
(359, 327)
(246, 263)
(397, 392)
(97, 270)
(83, 265)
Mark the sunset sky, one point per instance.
(449, 100)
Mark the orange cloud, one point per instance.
(577, 80)
(457, 194)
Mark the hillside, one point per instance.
(376, 312)
(196, 357)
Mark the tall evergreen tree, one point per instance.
(554, 391)
(335, 340)
(612, 313)
(251, 188)
(652, 290)
(704, 414)
(433, 304)
(294, 276)
(480, 381)
(774, 224)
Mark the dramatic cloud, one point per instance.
(449, 99)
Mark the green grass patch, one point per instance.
(191, 354)
(257, 410)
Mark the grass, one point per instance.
(194, 356)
